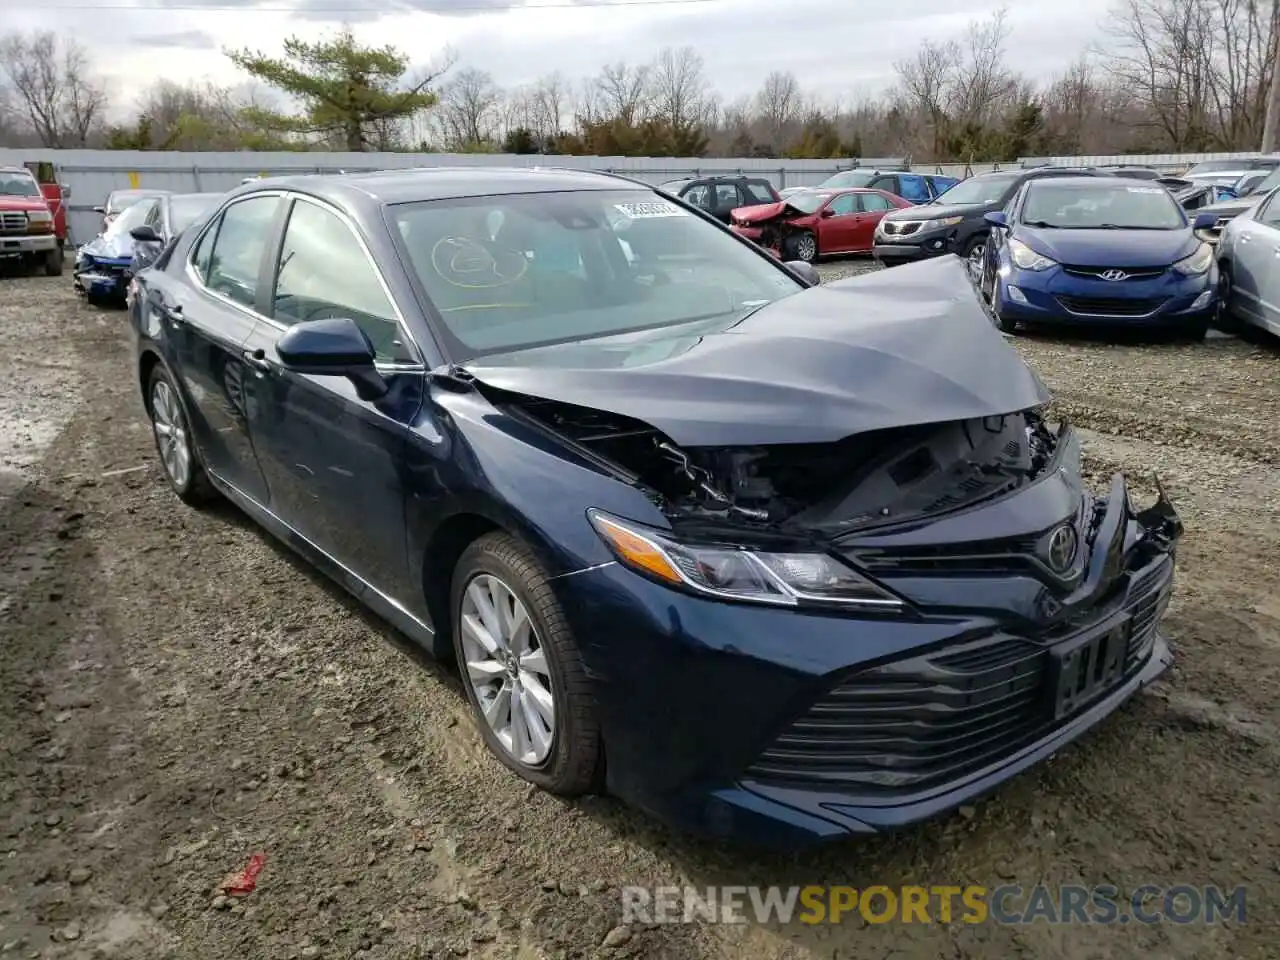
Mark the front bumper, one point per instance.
(783, 728)
(1053, 297)
(31, 244)
(893, 250)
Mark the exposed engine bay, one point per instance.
(869, 479)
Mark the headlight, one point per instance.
(1199, 262)
(40, 216)
(736, 573)
(1024, 258)
(938, 224)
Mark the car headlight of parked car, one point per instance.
(1024, 258)
(1198, 263)
(736, 573)
(40, 216)
(939, 223)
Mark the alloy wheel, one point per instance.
(807, 247)
(507, 669)
(977, 259)
(171, 434)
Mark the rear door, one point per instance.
(727, 198)
(913, 187)
(207, 307)
(872, 208)
(334, 462)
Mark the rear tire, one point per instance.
(498, 569)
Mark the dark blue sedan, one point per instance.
(1099, 250)
(769, 560)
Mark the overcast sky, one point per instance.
(836, 48)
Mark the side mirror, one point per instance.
(332, 347)
(66, 191)
(996, 220)
(95, 209)
(827, 212)
(804, 271)
(1204, 221)
(146, 234)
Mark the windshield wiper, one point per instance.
(1039, 223)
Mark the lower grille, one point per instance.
(13, 222)
(1111, 306)
(910, 724)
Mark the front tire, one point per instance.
(1226, 319)
(974, 253)
(803, 246)
(521, 670)
(178, 457)
(53, 263)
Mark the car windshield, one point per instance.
(14, 184)
(1092, 205)
(1216, 166)
(977, 190)
(122, 200)
(184, 211)
(807, 201)
(850, 178)
(1264, 185)
(524, 270)
(134, 216)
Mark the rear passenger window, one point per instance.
(325, 273)
(760, 192)
(236, 254)
(726, 196)
(913, 188)
(874, 203)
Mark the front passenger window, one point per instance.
(237, 250)
(325, 273)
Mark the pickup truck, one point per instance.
(31, 230)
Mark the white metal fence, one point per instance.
(92, 174)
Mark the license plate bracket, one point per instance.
(1085, 668)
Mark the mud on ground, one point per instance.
(177, 693)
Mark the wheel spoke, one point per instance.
(498, 710)
(539, 732)
(521, 631)
(534, 661)
(478, 633)
(519, 731)
(485, 671)
(539, 698)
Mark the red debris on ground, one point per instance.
(243, 883)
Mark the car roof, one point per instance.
(1102, 180)
(443, 183)
(8, 169)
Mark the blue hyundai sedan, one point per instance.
(770, 560)
(1099, 251)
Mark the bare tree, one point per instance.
(621, 93)
(468, 109)
(681, 95)
(549, 103)
(981, 84)
(778, 106)
(53, 87)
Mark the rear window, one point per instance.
(1218, 166)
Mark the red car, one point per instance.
(815, 223)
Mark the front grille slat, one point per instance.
(1130, 273)
(909, 724)
(13, 222)
(1111, 306)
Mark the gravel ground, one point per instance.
(176, 694)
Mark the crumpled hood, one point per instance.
(1231, 208)
(757, 213)
(1111, 248)
(118, 246)
(889, 349)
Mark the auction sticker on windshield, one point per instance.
(650, 209)
(1145, 189)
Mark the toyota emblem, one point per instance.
(1113, 275)
(1062, 548)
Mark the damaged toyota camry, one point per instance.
(771, 561)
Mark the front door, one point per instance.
(207, 324)
(1257, 261)
(871, 210)
(335, 462)
(840, 227)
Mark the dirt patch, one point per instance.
(178, 694)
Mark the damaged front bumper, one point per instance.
(785, 727)
(101, 277)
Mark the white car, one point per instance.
(1248, 281)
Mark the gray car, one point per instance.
(1249, 267)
